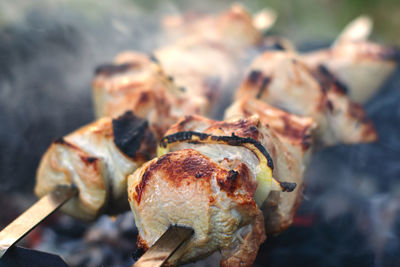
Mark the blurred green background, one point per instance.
(299, 20)
(325, 18)
(302, 20)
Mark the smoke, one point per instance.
(47, 56)
(48, 51)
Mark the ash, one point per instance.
(350, 212)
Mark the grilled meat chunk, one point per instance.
(292, 139)
(234, 27)
(203, 41)
(97, 159)
(295, 132)
(188, 188)
(283, 80)
(135, 82)
(361, 65)
(210, 176)
(191, 62)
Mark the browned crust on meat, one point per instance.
(243, 128)
(295, 129)
(295, 132)
(88, 160)
(232, 140)
(193, 165)
(62, 141)
(186, 166)
(329, 81)
(141, 243)
(357, 112)
(258, 82)
(238, 178)
(368, 133)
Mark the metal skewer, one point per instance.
(28, 220)
(164, 247)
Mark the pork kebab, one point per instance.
(97, 158)
(199, 42)
(282, 79)
(361, 65)
(293, 138)
(212, 176)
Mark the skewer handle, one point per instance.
(164, 247)
(28, 220)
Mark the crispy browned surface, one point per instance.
(136, 83)
(242, 128)
(53, 171)
(283, 80)
(295, 134)
(289, 159)
(294, 130)
(193, 190)
(361, 66)
(199, 41)
(191, 62)
(97, 159)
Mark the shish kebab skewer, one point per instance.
(121, 144)
(202, 41)
(340, 120)
(97, 158)
(126, 57)
(21, 226)
(85, 172)
(359, 65)
(211, 176)
(300, 88)
(161, 103)
(282, 79)
(137, 74)
(362, 65)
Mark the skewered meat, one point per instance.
(96, 158)
(278, 209)
(359, 64)
(234, 27)
(192, 64)
(135, 82)
(188, 194)
(292, 152)
(283, 80)
(295, 132)
(211, 176)
(207, 40)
